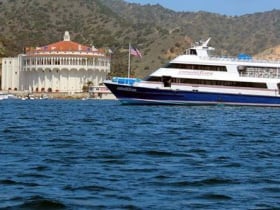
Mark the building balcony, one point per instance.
(69, 67)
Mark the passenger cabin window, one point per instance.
(196, 67)
(193, 52)
(224, 83)
(154, 79)
(168, 80)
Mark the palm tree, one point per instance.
(87, 86)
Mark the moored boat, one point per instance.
(4, 96)
(100, 92)
(196, 77)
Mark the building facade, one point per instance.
(63, 66)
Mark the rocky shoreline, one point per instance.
(48, 95)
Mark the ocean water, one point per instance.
(72, 154)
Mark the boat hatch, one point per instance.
(241, 68)
(166, 81)
(191, 52)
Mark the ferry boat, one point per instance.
(197, 78)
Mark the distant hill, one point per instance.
(159, 33)
(270, 54)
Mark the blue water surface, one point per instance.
(71, 154)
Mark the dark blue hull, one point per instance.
(141, 95)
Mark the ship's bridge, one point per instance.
(200, 49)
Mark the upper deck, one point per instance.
(245, 66)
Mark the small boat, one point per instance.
(4, 96)
(33, 97)
(196, 78)
(99, 92)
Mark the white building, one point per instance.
(63, 66)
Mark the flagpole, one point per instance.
(128, 70)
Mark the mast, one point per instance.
(128, 70)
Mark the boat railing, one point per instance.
(226, 58)
(125, 80)
(273, 75)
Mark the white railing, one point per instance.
(260, 75)
(235, 59)
(47, 66)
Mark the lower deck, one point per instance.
(190, 95)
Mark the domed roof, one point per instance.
(64, 46)
(67, 46)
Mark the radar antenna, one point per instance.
(205, 44)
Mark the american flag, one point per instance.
(135, 52)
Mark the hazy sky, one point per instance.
(227, 7)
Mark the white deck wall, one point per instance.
(10, 74)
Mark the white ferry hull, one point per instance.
(143, 95)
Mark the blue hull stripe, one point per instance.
(140, 95)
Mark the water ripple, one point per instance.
(101, 155)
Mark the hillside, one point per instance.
(270, 54)
(159, 33)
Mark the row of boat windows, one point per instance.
(195, 67)
(208, 82)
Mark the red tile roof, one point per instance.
(65, 46)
